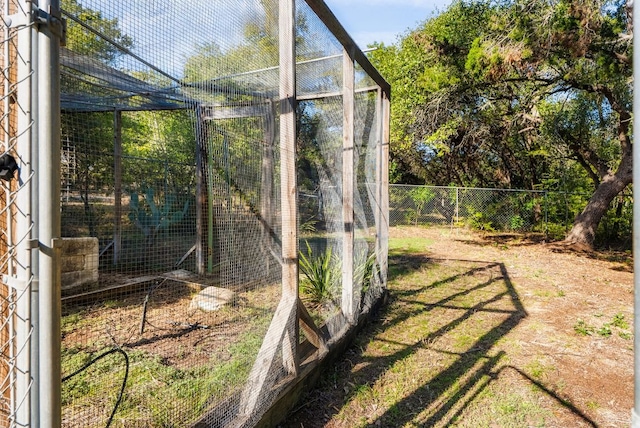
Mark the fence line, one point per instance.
(545, 211)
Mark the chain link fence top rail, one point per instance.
(176, 145)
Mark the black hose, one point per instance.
(124, 381)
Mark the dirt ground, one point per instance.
(550, 345)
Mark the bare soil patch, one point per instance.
(487, 330)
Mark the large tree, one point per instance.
(495, 93)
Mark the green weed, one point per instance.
(583, 329)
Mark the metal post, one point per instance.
(49, 216)
(457, 206)
(22, 277)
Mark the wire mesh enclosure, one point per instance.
(198, 212)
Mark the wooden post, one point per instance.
(283, 332)
(266, 188)
(200, 269)
(378, 211)
(117, 191)
(384, 184)
(289, 185)
(350, 298)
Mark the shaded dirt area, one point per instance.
(482, 330)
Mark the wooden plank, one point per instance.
(350, 297)
(261, 378)
(234, 112)
(313, 333)
(325, 95)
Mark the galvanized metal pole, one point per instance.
(22, 275)
(49, 216)
(35, 194)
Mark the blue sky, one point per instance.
(369, 21)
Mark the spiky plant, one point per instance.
(322, 276)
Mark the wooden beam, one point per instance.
(350, 297)
(234, 112)
(329, 19)
(288, 183)
(313, 333)
(261, 379)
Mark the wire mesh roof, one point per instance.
(88, 84)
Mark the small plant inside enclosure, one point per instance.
(322, 276)
(151, 218)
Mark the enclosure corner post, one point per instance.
(350, 298)
(49, 215)
(384, 201)
(289, 189)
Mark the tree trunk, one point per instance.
(584, 227)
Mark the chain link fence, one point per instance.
(17, 285)
(546, 212)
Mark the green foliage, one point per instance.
(583, 329)
(479, 221)
(151, 218)
(322, 276)
(516, 222)
(620, 321)
(518, 94)
(83, 41)
(420, 196)
(363, 272)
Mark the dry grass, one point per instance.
(487, 331)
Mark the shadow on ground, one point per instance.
(432, 353)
